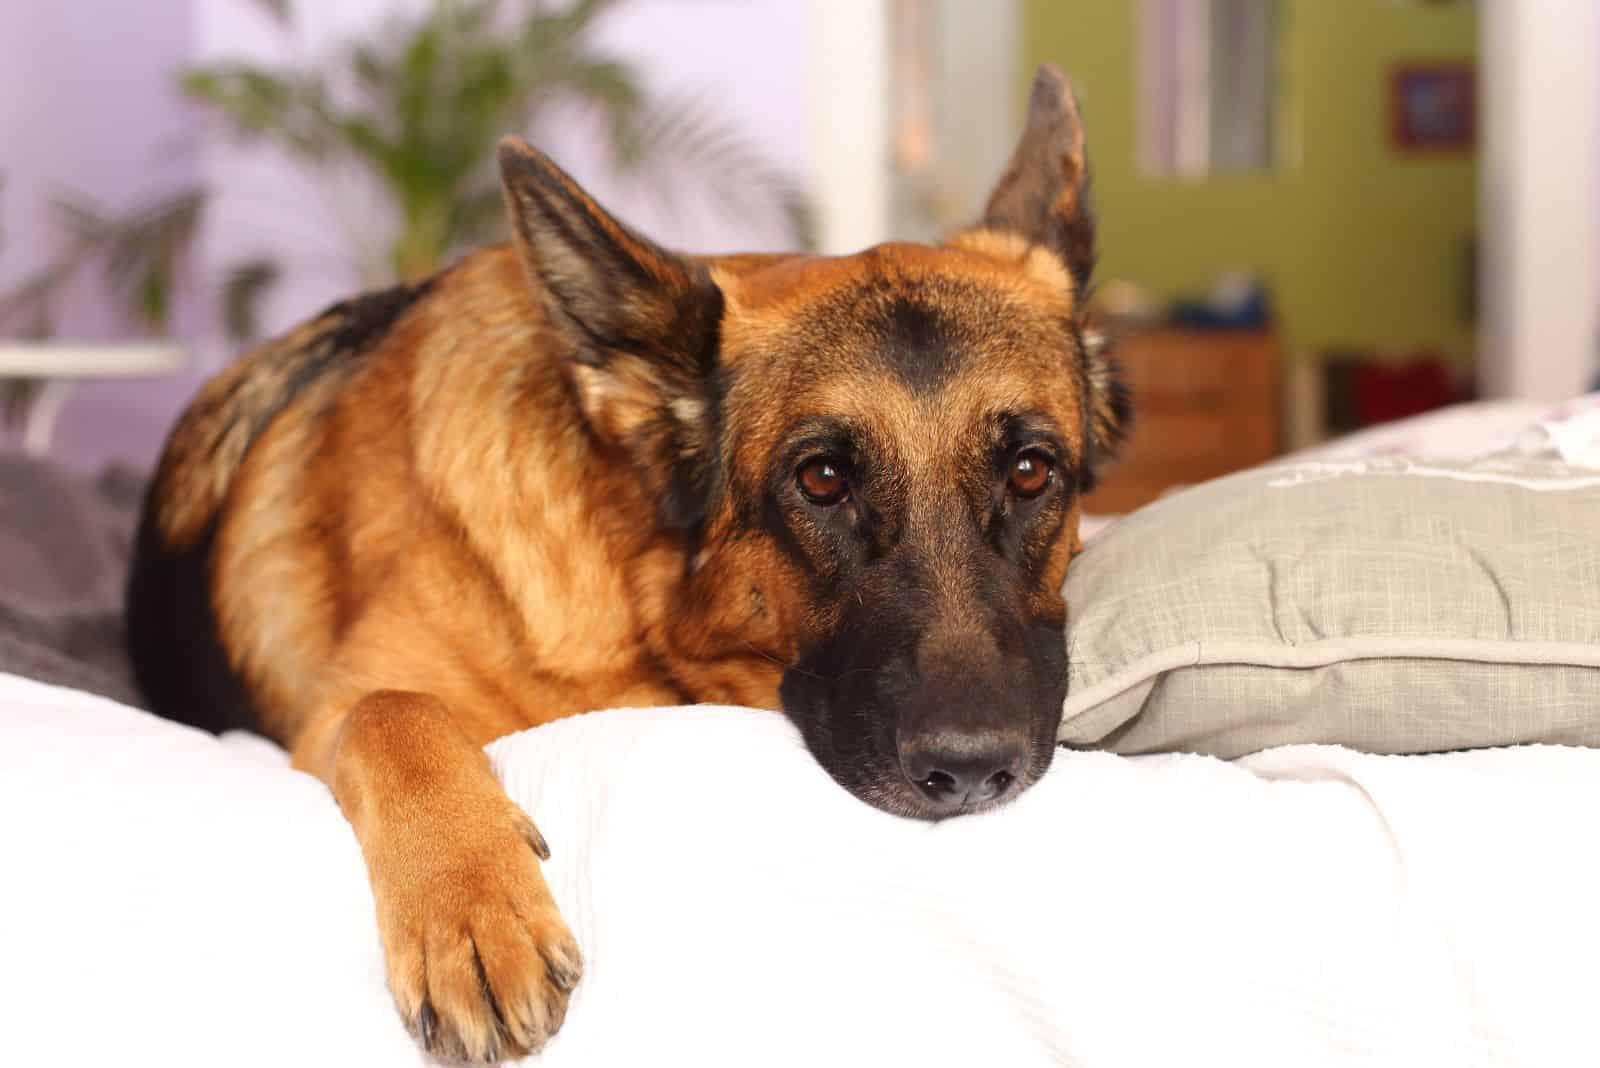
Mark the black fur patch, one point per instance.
(919, 344)
(354, 326)
(695, 473)
(906, 328)
(178, 660)
(364, 320)
(1107, 409)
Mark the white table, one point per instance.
(59, 365)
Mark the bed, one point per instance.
(181, 899)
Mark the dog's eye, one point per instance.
(822, 481)
(1031, 473)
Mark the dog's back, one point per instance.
(400, 492)
(172, 635)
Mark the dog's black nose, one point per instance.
(959, 769)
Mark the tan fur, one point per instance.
(452, 538)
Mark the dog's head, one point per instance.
(871, 463)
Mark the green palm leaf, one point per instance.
(142, 253)
(419, 107)
(737, 178)
(242, 291)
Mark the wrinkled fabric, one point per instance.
(173, 899)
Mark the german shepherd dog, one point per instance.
(579, 471)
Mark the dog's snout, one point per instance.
(953, 769)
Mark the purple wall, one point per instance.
(86, 102)
(86, 106)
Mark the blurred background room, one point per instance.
(1316, 216)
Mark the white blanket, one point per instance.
(168, 899)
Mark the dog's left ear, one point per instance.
(1043, 194)
(1043, 197)
(639, 325)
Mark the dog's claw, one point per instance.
(427, 1024)
(532, 835)
(478, 958)
(563, 977)
(536, 840)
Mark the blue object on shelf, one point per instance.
(1237, 302)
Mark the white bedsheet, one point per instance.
(175, 901)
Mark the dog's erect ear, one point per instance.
(1043, 194)
(639, 325)
(1043, 197)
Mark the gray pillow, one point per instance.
(65, 541)
(1387, 604)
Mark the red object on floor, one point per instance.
(1386, 391)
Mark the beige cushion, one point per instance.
(1388, 604)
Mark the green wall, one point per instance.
(1361, 247)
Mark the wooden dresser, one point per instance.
(1205, 403)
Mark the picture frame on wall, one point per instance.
(1433, 107)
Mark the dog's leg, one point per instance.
(478, 958)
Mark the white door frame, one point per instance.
(975, 105)
(849, 106)
(1539, 197)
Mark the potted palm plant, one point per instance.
(418, 107)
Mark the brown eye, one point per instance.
(822, 481)
(1031, 472)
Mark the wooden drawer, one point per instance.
(1205, 404)
(1240, 436)
(1204, 367)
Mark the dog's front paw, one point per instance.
(479, 959)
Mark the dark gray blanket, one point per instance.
(65, 541)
